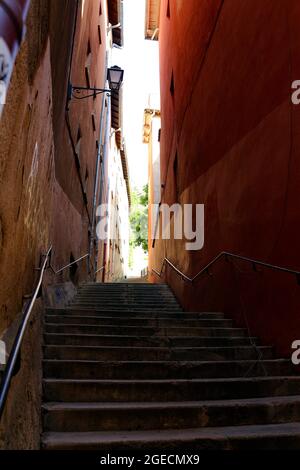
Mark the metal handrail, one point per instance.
(100, 269)
(9, 369)
(225, 254)
(68, 265)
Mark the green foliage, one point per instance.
(139, 218)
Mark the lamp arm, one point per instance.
(95, 91)
(91, 95)
(85, 88)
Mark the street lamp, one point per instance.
(114, 76)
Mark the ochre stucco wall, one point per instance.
(41, 197)
(237, 138)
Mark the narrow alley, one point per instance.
(149, 219)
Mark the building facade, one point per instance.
(229, 140)
(113, 254)
(51, 158)
(151, 137)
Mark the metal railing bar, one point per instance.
(100, 269)
(226, 254)
(70, 264)
(9, 369)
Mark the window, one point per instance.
(86, 179)
(168, 10)
(172, 85)
(93, 122)
(176, 182)
(100, 8)
(89, 49)
(78, 142)
(99, 34)
(88, 63)
(175, 164)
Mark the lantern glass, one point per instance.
(115, 77)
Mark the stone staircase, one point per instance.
(125, 368)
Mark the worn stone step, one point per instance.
(146, 370)
(137, 321)
(284, 436)
(134, 314)
(69, 390)
(164, 341)
(137, 289)
(142, 330)
(148, 303)
(125, 367)
(126, 299)
(92, 417)
(145, 299)
(152, 298)
(124, 285)
(124, 295)
(126, 307)
(126, 291)
(109, 353)
(116, 305)
(140, 293)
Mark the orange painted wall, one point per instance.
(41, 198)
(237, 138)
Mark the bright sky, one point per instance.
(139, 59)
